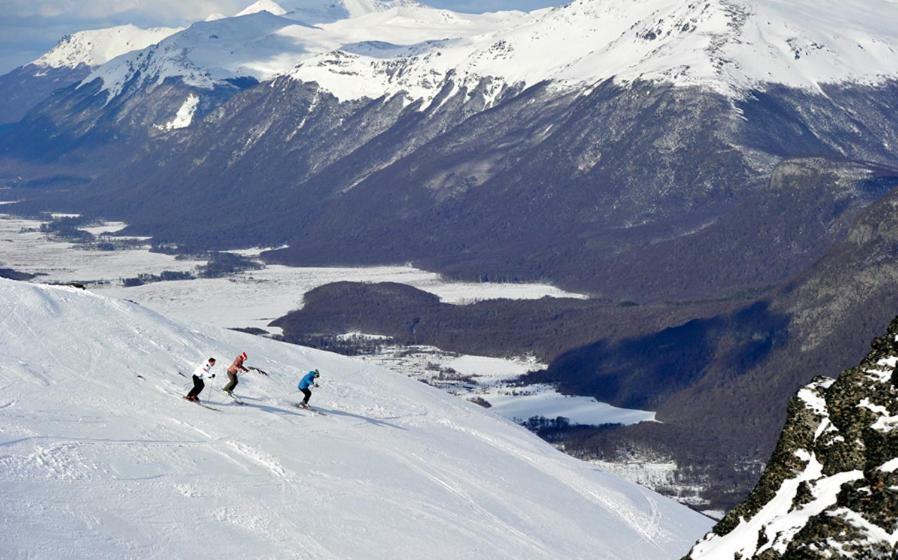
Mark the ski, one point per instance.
(310, 409)
(198, 403)
(234, 398)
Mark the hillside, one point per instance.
(93, 422)
(719, 174)
(829, 489)
(69, 62)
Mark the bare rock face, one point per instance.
(830, 489)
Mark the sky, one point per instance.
(28, 28)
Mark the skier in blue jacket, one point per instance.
(308, 380)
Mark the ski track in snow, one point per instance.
(98, 463)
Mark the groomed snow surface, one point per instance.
(101, 458)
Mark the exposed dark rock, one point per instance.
(835, 466)
(11, 274)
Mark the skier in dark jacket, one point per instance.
(203, 370)
(308, 380)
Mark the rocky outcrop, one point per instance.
(830, 489)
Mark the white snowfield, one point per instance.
(366, 48)
(266, 41)
(544, 400)
(262, 6)
(98, 46)
(101, 458)
(729, 46)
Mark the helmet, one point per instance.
(317, 374)
(243, 355)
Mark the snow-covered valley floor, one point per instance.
(255, 298)
(492, 381)
(101, 458)
(249, 299)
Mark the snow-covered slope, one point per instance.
(98, 46)
(320, 11)
(726, 45)
(370, 48)
(101, 458)
(208, 53)
(269, 6)
(69, 62)
(265, 41)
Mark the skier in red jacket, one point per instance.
(236, 366)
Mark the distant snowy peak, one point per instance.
(361, 7)
(329, 11)
(262, 45)
(375, 48)
(269, 6)
(98, 46)
(209, 53)
(729, 46)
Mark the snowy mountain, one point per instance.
(98, 46)
(829, 489)
(265, 40)
(207, 54)
(734, 147)
(321, 11)
(93, 423)
(729, 46)
(70, 61)
(373, 49)
(269, 6)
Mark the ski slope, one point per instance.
(101, 458)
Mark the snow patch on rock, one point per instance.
(184, 116)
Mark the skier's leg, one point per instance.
(232, 382)
(197, 387)
(202, 385)
(308, 395)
